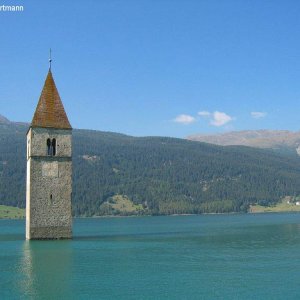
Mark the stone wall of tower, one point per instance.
(49, 185)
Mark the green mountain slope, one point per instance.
(158, 175)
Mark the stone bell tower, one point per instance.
(49, 168)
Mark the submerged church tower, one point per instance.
(49, 168)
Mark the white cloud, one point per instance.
(204, 113)
(184, 119)
(258, 114)
(215, 118)
(220, 118)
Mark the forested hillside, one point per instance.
(159, 175)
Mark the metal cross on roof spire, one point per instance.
(50, 60)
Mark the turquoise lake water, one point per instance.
(254, 256)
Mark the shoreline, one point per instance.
(172, 215)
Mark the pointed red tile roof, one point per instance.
(50, 111)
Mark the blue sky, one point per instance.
(168, 68)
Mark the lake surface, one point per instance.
(177, 257)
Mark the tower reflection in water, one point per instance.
(47, 269)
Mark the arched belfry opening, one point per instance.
(48, 146)
(51, 147)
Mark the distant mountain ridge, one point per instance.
(273, 139)
(4, 120)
